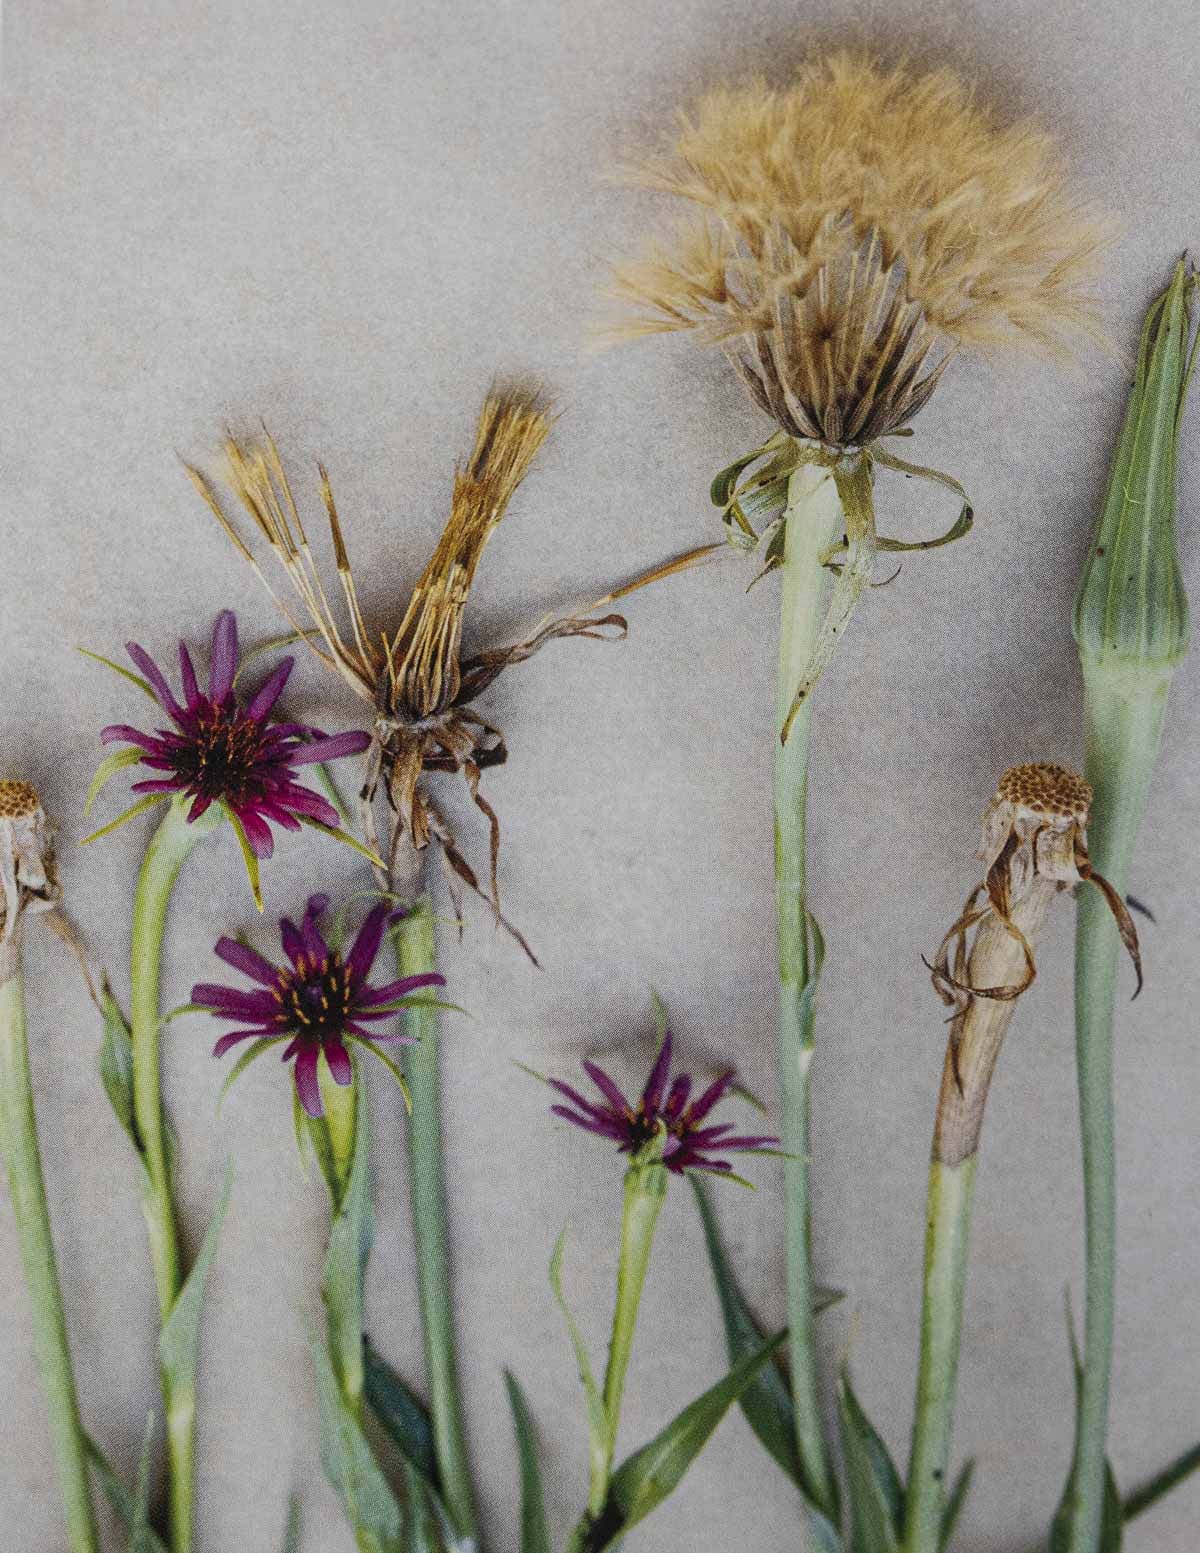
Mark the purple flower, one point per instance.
(222, 752)
(665, 1106)
(318, 1002)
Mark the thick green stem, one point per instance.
(1123, 714)
(645, 1189)
(415, 954)
(27, 1188)
(814, 525)
(947, 1233)
(169, 848)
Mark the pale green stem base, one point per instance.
(947, 1232)
(645, 1191)
(814, 525)
(416, 953)
(1123, 717)
(18, 1128)
(169, 848)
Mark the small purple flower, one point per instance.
(320, 1000)
(664, 1107)
(222, 752)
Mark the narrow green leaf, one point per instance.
(422, 1524)
(107, 769)
(333, 793)
(350, 1239)
(134, 679)
(141, 1536)
(370, 1505)
(955, 1503)
(248, 856)
(121, 1501)
(148, 802)
(179, 1340)
(251, 1054)
(1162, 1483)
(274, 644)
(535, 1538)
(645, 1479)
(344, 837)
(401, 1414)
(291, 1530)
(393, 1067)
(116, 1065)
(597, 1416)
(1112, 1515)
(873, 1485)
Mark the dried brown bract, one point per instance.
(415, 679)
(28, 876)
(1034, 845)
(851, 232)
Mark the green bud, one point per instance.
(1131, 608)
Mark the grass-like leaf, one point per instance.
(597, 1415)
(651, 1474)
(535, 1537)
(121, 1501)
(134, 679)
(344, 837)
(1112, 1515)
(251, 1054)
(179, 1340)
(401, 1413)
(1162, 1483)
(148, 802)
(954, 1504)
(248, 856)
(107, 769)
(350, 1466)
(874, 1490)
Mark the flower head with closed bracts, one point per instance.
(665, 1110)
(223, 752)
(319, 1002)
(848, 235)
(415, 681)
(1034, 838)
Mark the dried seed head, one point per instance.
(28, 878)
(18, 800)
(423, 656)
(1047, 790)
(1038, 820)
(852, 231)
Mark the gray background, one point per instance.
(345, 219)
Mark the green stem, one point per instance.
(947, 1232)
(28, 1191)
(169, 848)
(1124, 707)
(416, 953)
(814, 524)
(645, 1189)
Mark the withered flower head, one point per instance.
(1034, 845)
(28, 877)
(851, 232)
(416, 681)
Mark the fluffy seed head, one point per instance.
(851, 231)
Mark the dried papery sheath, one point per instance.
(1034, 848)
(28, 874)
(29, 882)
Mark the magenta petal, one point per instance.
(258, 833)
(300, 801)
(158, 683)
(333, 748)
(234, 1036)
(711, 1095)
(370, 996)
(606, 1087)
(223, 663)
(604, 1129)
(339, 1062)
(247, 960)
(307, 1086)
(270, 690)
(187, 673)
(657, 1082)
(366, 946)
(122, 733)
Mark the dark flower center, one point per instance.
(223, 755)
(316, 999)
(641, 1128)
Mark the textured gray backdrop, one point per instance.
(345, 219)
